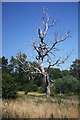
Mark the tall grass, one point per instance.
(39, 107)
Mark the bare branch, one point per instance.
(57, 63)
(53, 23)
(53, 64)
(36, 48)
(24, 69)
(52, 53)
(58, 41)
(51, 81)
(43, 19)
(46, 25)
(32, 72)
(46, 28)
(40, 33)
(63, 61)
(29, 67)
(37, 69)
(49, 57)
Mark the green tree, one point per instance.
(4, 64)
(55, 73)
(17, 72)
(75, 69)
(8, 86)
(65, 72)
(13, 63)
(66, 84)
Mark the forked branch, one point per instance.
(58, 62)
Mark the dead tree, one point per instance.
(44, 50)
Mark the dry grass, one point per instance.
(37, 94)
(39, 107)
(32, 93)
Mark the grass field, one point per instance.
(36, 105)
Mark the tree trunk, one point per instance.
(47, 85)
(46, 78)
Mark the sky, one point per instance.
(20, 22)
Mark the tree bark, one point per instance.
(47, 85)
(46, 78)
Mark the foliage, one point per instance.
(30, 87)
(8, 86)
(4, 62)
(66, 84)
(14, 79)
(55, 73)
(41, 89)
(52, 93)
(38, 80)
(12, 64)
(75, 69)
(65, 72)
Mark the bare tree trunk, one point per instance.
(46, 78)
(47, 85)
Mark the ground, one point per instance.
(36, 105)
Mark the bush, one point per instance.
(67, 84)
(52, 92)
(8, 86)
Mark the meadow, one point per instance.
(36, 105)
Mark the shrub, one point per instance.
(67, 84)
(52, 92)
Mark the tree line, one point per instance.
(15, 79)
